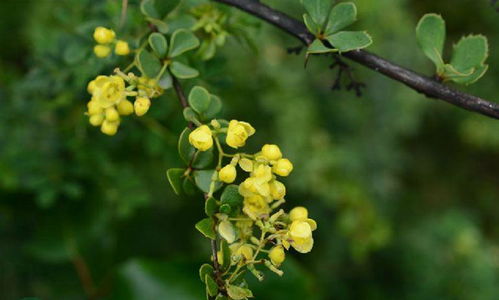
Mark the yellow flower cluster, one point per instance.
(105, 38)
(299, 234)
(109, 99)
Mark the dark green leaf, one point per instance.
(311, 25)
(205, 269)
(147, 8)
(190, 114)
(203, 159)
(185, 149)
(203, 180)
(183, 71)
(165, 7)
(225, 209)
(210, 206)
(199, 99)
(211, 285)
(231, 196)
(174, 176)
(350, 40)
(189, 187)
(226, 254)
(182, 40)
(205, 226)
(158, 43)
(148, 63)
(214, 108)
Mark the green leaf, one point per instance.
(205, 226)
(160, 25)
(182, 41)
(311, 25)
(165, 7)
(203, 180)
(205, 269)
(175, 178)
(185, 149)
(199, 99)
(238, 293)
(203, 159)
(189, 187)
(189, 114)
(165, 82)
(148, 64)
(350, 40)
(231, 196)
(182, 21)
(211, 286)
(210, 206)
(214, 108)
(430, 33)
(341, 16)
(318, 47)
(467, 78)
(182, 71)
(469, 53)
(221, 297)
(147, 8)
(225, 209)
(226, 254)
(318, 10)
(158, 43)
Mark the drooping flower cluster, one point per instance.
(109, 99)
(105, 39)
(262, 193)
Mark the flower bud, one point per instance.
(246, 251)
(271, 152)
(227, 174)
(298, 213)
(94, 108)
(112, 114)
(102, 51)
(201, 138)
(103, 35)
(277, 255)
(238, 132)
(283, 167)
(91, 87)
(125, 107)
(141, 105)
(121, 48)
(277, 190)
(109, 128)
(96, 120)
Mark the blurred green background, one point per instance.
(405, 189)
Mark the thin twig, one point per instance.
(181, 96)
(422, 84)
(124, 8)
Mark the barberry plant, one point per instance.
(247, 222)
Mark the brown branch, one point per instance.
(181, 96)
(84, 275)
(422, 84)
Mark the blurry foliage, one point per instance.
(405, 190)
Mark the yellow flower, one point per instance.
(238, 132)
(94, 108)
(283, 167)
(121, 48)
(256, 207)
(108, 90)
(141, 105)
(245, 251)
(96, 120)
(227, 174)
(277, 255)
(112, 114)
(201, 138)
(102, 51)
(271, 152)
(103, 35)
(262, 173)
(298, 213)
(109, 128)
(247, 187)
(277, 190)
(300, 233)
(125, 107)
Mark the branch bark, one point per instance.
(420, 83)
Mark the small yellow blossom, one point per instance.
(277, 190)
(141, 105)
(277, 255)
(94, 108)
(108, 90)
(271, 152)
(125, 107)
(104, 35)
(227, 174)
(112, 114)
(96, 120)
(121, 48)
(109, 128)
(245, 251)
(256, 207)
(283, 167)
(102, 51)
(300, 233)
(201, 138)
(298, 213)
(238, 132)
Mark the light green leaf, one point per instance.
(199, 99)
(205, 269)
(148, 8)
(211, 286)
(318, 10)
(165, 7)
(160, 25)
(350, 40)
(203, 180)
(214, 108)
(470, 78)
(205, 226)
(189, 114)
(181, 41)
(185, 149)
(182, 71)
(430, 33)
(238, 293)
(469, 53)
(165, 82)
(311, 25)
(210, 206)
(158, 43)
(342, 15)
(174, 176)
(148, 64)
(318, 47)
